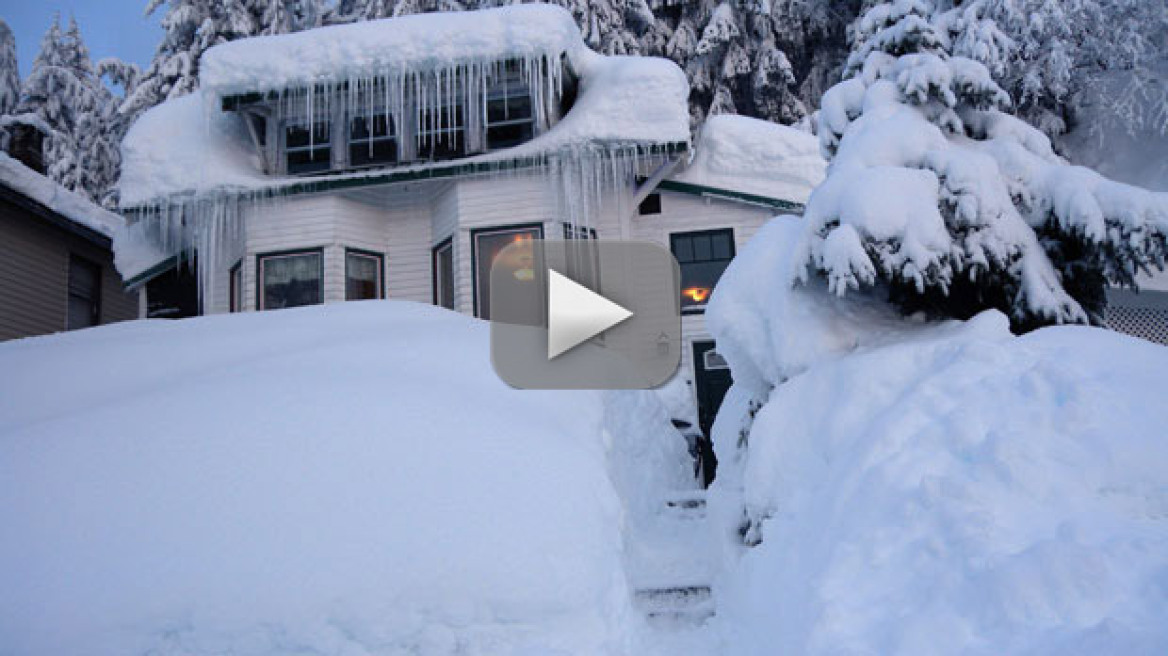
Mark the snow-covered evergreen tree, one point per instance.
(1048, 54)
(64, 97)
(935, 191)
(9, 73)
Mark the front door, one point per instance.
(712, 379)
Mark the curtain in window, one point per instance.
(291, 281)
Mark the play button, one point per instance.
(577, 314)
(584, 314)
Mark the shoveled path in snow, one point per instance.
(670, 560)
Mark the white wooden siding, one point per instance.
(688, 213)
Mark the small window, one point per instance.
(362, 276)
(444, 274)
(702, 256)
(290, 279)
(651, 205)
(307, 151)
(372, 140)
(488, 244)
(510, 119)
(84, 308)
(235, 291)
(583, 256)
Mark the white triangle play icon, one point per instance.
(576, 313)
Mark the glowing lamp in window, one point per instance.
(696, 294)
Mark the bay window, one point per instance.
(488, 243)
(290, 279)
(363, 275)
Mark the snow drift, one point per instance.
(340, 479)
(925, 488)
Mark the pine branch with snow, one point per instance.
(957, 206)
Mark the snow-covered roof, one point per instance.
(757, 157)
(69, 204)
(190, 147)
(344, 52)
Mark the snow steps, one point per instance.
(674, 564)
(681, 605)
(686, 506)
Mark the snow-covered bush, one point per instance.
(935, 191)
(915, 487)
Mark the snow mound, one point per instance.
(756, 157)
(69, 204)
(344, 52)
(916, 485)
(340, 479)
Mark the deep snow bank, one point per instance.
(340, 479)
(934, 488)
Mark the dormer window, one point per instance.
(305, 151)
(510, 120)
(372, 140)
(442, 132)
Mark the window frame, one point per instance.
(94, 300)
(235, 288)
(510, 85)
(393, 137)
(674, 237)
(374, 255)
(427, 136)
(435, 281)
(311, 147)
(260, 257)
(515, 228)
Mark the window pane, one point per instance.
(378, 151)
(291, 280)
(362, 277)
(444, 276)
(506, 136)
(701, 248)
(296, 136)
(683, 249)
(236, 291)
(721, 246)
(309, 160)
(487, 247)
(509, 109)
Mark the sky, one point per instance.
(111, 28)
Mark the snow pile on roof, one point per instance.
(349, 478)
(425, 41)
(69, 204)
(942, 484)
(756, 157)
(622, 102)
(186, 145)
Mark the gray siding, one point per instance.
(34, 272)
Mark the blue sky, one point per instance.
(111, 28)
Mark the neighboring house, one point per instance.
(56, 262)
(396, 158)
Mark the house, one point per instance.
(396, 158)
(56, 259)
